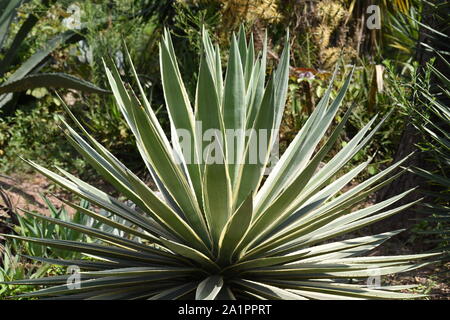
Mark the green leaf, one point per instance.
(55, 80)
(209, 288)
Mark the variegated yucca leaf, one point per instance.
(221, 230)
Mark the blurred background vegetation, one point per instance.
(401, 68)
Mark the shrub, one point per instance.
(220, 229)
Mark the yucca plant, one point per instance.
(220, 229)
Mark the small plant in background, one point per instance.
(14, 267)
(30, 227)
(219, 230)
